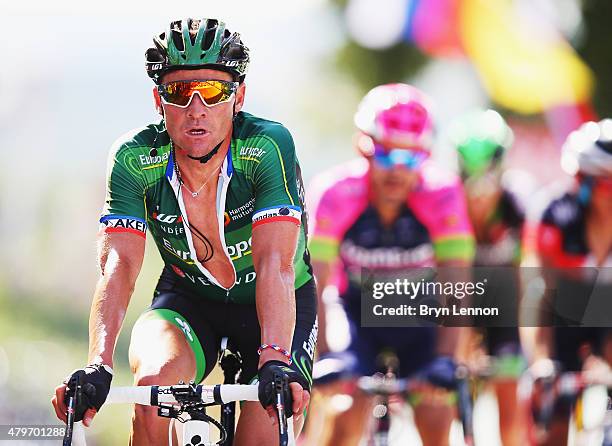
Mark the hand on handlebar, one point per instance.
(92, 384)
(296, 394)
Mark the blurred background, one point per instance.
(72, 80)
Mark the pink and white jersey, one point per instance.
(433, 228)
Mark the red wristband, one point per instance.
(275, 347)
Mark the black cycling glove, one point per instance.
(266, 392)
(95, 381)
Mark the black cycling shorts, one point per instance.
(205, 322)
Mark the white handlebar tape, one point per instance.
(238, 392)
(143, 394)
(131, 395)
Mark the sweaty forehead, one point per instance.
(202, 73)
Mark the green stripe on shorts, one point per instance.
(194, 343)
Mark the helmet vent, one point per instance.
(197, 42)
(194, 26)
(605, 145)
(209, 34)
(177, 39)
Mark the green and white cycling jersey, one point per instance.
(260, 182)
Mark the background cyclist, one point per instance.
(220, 192)
(389, 211)
(574, 232)
(482, 138)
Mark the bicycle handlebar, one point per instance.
(190, 394)
(385, 386)
(382, 386)
(153, 395)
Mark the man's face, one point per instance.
(392, 184)
(198, 128)
(483, 191)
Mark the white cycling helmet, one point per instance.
(396, 114)
(588, 150)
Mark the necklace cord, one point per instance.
(194, 231)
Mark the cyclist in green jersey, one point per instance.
(220, 192)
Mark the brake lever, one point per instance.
(465, 404)
(281, 385)
(73, 400)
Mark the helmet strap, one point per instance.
(205, 158)
(158, 104)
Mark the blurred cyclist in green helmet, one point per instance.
(482, 138)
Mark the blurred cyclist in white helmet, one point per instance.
(573, 238)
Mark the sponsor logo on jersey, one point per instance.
(386, 257)
(242, 211)
(146, 160)
(251, 152)
(167, 218)
(122, 223)
(173, 230)
(240, 249)
(202, 280)
(172, 224)
(247, 278)
(183, 255)
(311, 342)
(185, 327)
(284, 213)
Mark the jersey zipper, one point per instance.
(220, 205)
(226, 177)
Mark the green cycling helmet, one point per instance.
(481, 138)
(191, 44)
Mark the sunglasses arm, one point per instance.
(157, 99)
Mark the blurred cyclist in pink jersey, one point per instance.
(389, 211)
